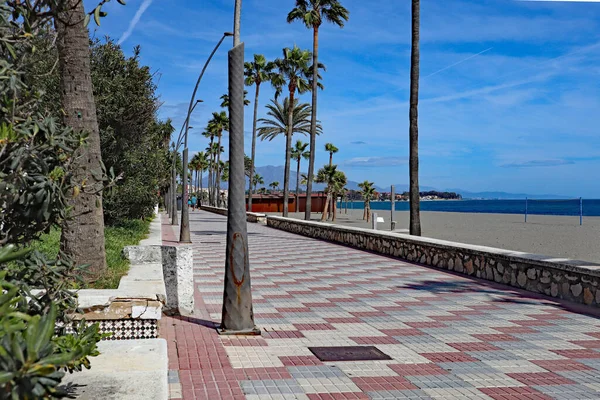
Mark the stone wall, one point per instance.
(566, 279)
(250, 216)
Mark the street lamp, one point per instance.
(184, 234)
(173, 195)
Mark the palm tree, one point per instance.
(312, 13)
(293, 72)
(278, 122)
(219, 123)
(329, 147)
(298, 153)
(201, 162)
(274, 185)
(328, 175)
(415, 213)
(304, 179)
(257, 180)
(210, 133)
(82, 237)
(339, 189)
(256, 72)
(368, 191)
(225, 100)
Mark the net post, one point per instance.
(580, 211)
(525, 209)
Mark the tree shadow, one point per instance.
(451, 287)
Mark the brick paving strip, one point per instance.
(449, 337)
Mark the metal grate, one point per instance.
(349, 353)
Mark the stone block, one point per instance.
(554, 289)
(143, 254)
(469, 266)
(522, 279)
(588, 296)
(531, 273)
(178, 270)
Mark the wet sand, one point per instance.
(557, 236)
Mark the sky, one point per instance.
(509, 90)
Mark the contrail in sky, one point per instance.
(135, 20)
(458, 62)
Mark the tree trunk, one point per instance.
(201, 189)
(298, 185)
(218, 173)
(313, 124)
(253, 146)
(288, 156)
(174, 220)
(415, 217)
(368, 210)
(334, 203)
(326, 207)
(82, 235)
(330, 159)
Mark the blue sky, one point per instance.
(510, 90)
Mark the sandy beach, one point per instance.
(557, 236)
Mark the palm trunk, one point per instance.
(313, 124)
(330, 159)
(82, 236)
(368, 210)
(288, 155)
(415, 217)
(218, 173)
(326, 207)
(334, 203)
(298, 185)
(201, 189)
(253, 146)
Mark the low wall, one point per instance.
(250, 216)
(561, 278)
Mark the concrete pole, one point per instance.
(393, 208)
(237, 314)
(374, 220)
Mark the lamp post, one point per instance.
(173, 192)
(184, 234)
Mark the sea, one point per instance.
(589, 207)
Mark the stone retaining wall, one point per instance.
(566, 279)
(250, 216)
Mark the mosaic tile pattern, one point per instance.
(126, 329)
(449, 337)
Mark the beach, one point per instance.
(557, 236)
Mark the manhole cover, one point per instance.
(349, 353)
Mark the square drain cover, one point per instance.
(349, 353)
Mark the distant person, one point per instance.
(194, 202)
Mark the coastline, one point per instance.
(551, 235)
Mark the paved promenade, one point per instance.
(449, 337)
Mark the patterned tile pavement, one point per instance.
(449, 337)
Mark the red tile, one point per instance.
(363, 314)
(257, 374)
(514, 329)
(290, 361)
(349, 320)
(541, 378)
(584, 353)
(561, 365)
(495, 337)
(432, 324)
(282, 334)
(417, 369)
(474, 346)
(588, 344)
(374, 340)
(448, 357)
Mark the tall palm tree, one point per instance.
(293, 72)
(312, 13)
(368, 191)
(201, 164)
(82, 237)
(210, 133)
(278, 122)
(220, 123)
(331, 149)
(274, 185)
(256, 72)
(298, 153)
(415, 206)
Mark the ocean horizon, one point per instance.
(591, 207)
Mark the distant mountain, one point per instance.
(274, 173)
(504, 195)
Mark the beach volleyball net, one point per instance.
(564, 207)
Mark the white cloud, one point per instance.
(136, 18)
(369, 162)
